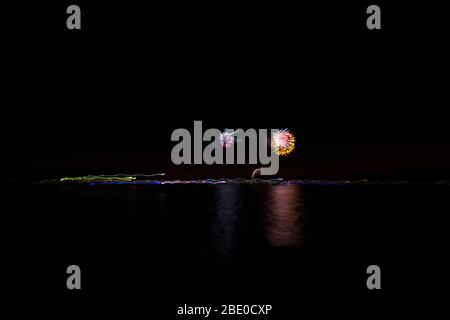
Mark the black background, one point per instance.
(106, 98)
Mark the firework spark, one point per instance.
(283, 142)
(226, 139)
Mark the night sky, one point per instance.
(107, 98)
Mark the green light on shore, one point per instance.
(98, 178)
(112, 178)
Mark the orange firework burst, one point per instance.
(283, 142)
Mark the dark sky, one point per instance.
(107, 98)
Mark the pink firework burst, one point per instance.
(226, 139)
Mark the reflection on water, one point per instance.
(228, 202)
(284, 215)
(274, 213)
(224, 224)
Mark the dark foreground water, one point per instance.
(302, 248)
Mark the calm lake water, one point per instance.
(276, 244)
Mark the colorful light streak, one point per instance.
(125, 180)
(108, 178)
